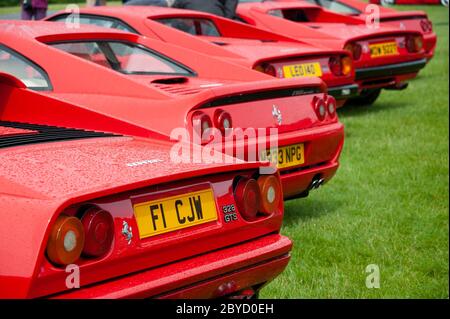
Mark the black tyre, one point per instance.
(367, 97)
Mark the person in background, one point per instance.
(224, 8)
(34, 9)
(158, 3)
(92, 3)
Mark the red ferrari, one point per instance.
(261, 50)
(404, 20)
(383, 57)
(120, 82)
(95, 215)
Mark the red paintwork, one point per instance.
(334, 31)
(405, 20)
(40, 181)
(239, 43)
(102, 100)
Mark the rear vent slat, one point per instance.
(45, 134)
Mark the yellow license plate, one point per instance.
(383, 49)
(302, 70)
(173, 213)
(286, 156)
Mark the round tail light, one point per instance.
(271, 193)
(414, 43)
(335, 65)
(99, 232)
(426, 25)
(223, 121)
(320, 108)
(248, 198)
(346, 65)
(66, 240)
(331, 106)
(355, 49)
(202, 124)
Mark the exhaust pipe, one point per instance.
(316, 183)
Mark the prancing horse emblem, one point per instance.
(276, 113)
(127, 231)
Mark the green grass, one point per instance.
(387, 205)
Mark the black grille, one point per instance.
(45, 134)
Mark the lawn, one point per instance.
(387, 205)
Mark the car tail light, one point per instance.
(331, 106)
(267, 68)
(340, 65)
(223, 121)
(271, 193)
(335, 65)
(355, 49)
(346, 65)
(426, 25)
(319, 107)
(99, 232)
(203, 122)
(248, 198)
(66, 240)
(414, 43)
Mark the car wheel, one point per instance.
(444, 3)
(386, 3)
(367, 97)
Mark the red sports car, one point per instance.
(114, 217)
(405, 20)
(383, 57)
(124, 83)
(261, 50)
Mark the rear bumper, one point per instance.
(236, 268)
(323, 146)
(390, 70)
(344, 91)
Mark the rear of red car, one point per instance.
(301, 119)
(387, 61)
(89, 224)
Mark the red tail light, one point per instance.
(331, 106)
(355, 49)
(335, 65)
(201, 123)
(267, 68)
(319, 107)
(414, 43)
(248, 198)
(223, 121)
(99, 232)
(271, 193)
(426, 25)
(66, 240)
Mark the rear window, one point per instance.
(194, 26)
(26, 71)
(128, 58)
(336, 6)
(105, 22)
